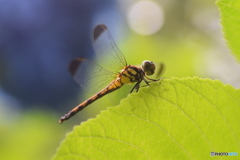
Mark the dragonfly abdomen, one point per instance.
(114, 85)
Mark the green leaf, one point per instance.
(183, 118)
(230, 19)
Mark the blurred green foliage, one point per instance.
(32, 135)
(178, 56)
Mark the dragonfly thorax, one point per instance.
(131, 74)
(148, 67)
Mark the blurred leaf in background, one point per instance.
(31, 135)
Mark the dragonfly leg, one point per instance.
(148, 82)
(154, 80)
(136, 86)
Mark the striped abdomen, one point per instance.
(111, 87)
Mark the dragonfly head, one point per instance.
(148, 67)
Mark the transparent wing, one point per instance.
(89, 75)
(107, 53)
(94, 76)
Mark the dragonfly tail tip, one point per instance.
(61, 120)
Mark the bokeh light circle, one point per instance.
(146, 17)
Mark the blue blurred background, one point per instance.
(38, 38)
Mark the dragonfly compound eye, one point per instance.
(148, 67)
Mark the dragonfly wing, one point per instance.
(107, 53)
(89, 75)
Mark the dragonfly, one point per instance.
(107, 74)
